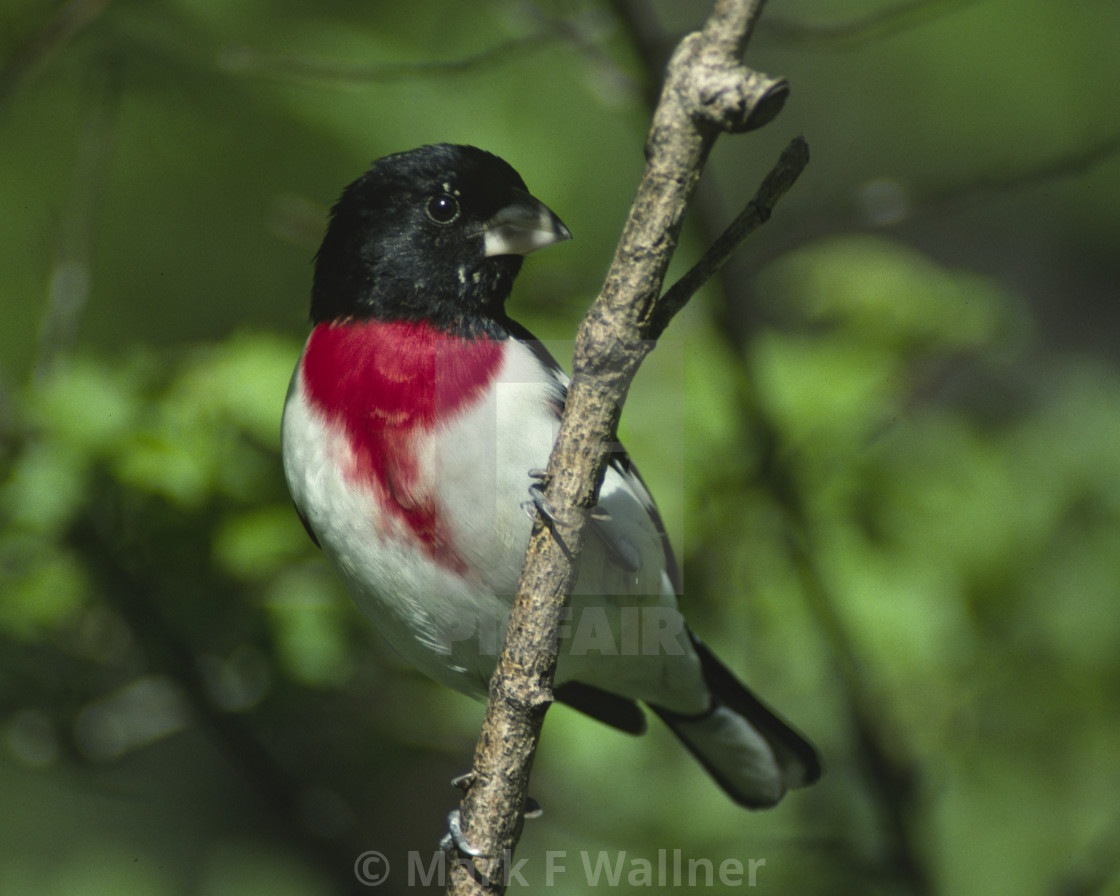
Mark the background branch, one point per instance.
(706, 90)
(71, 280)
(67, 22)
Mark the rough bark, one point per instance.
(707, 90)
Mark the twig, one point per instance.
(248, 61)
(652, 46)
(873, 26)
(1076, 160)
(707, 90)
(757, 212)
(649, 42)
(891, 774)
(70, 283)
(137, 596)
(243, 60)
(69, 20)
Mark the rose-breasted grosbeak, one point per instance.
(413, 420)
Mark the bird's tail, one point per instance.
(752, 754)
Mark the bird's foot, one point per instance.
(455, 841)
(538, 503)
(463, 782)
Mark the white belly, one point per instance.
(450, 622)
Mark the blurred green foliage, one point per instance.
(887, 443)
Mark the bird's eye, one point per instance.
(443, 209)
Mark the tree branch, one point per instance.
(893, 782)
(66, 23)
(70, 283)
(757, 212)
(873, 26)
(707, 90)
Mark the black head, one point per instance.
(436, 234)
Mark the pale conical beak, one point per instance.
(523, 226)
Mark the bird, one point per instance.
(416, 425)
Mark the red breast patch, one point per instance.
(385, 384)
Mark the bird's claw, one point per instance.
(538, 503)
(464, 781)
(454, 841)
